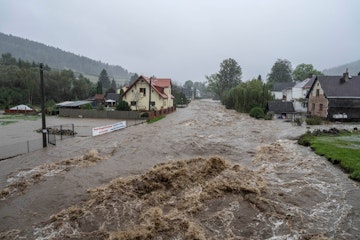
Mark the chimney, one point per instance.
(345, 77)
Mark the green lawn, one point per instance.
(342, 148)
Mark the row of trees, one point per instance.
(282, 71)
(20, 83)
(227, 86)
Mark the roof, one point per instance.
(73, 104)
(335, 87)
(113, 96)
(21, 107)
(279, 86)
(99, 96)
(306, 84)
(161, 82)
(279, 107)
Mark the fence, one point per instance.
(60, 132)
(12, 150)
(55, 133)
(92, 113)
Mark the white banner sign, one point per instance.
(108, 128)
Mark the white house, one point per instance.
(297, 94)
(153, 93)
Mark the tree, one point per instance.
(247, 95)
(99, 88)
(228, 77)
(303, 71)
(104, 79)
(188, 88)
(7, 59)
(133, 78)
(214, 85)
(113, 84)
(281, 71)
(230, 74)
(123, 106)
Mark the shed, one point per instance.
(283, 109)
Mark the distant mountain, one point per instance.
(353, 68)
(59, 59)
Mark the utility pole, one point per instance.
(150, 93)
(43, 104)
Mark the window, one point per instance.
(143, 91)
(317, 92)
(133, 103)
(152, 103)
(313, 107)
(320, 107)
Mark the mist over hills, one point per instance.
(353, 68)
(58, 59)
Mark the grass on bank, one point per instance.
(342, 148)
(14, 118)
(155, 119)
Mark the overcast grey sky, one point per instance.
(188, 39)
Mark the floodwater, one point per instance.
(203, 172)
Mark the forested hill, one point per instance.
(353, 68)
(56, 58)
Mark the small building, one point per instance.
(149, 94)
(20, 109)
(335, 97)
(281, 109)
(112, 99)
(98, 99)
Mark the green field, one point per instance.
(342, 148)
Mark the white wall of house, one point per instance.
(277, 95)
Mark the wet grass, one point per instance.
(14, 118)
(155, 119)
(342, 148)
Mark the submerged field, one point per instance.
(339, 147)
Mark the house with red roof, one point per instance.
(149, 94)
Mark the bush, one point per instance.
(123, 106)
(257, 113)
(87, 106)
(100, 107)
(298, 121)
(269, 116)
(313, 121)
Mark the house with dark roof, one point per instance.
(335, 97)
(281, 89)
(282, 109)
(149, 94)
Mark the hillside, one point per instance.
(59, 59)
(353, 68)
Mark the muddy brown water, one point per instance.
(218, 175)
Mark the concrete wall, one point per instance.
(85, 113)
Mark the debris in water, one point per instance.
(20, 181)
(184, 199)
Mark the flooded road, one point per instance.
(218, 175)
